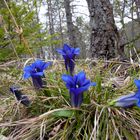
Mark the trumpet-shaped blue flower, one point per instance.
(20, 96)
(36, 72)
(69, 54)
(77, 84)
(129, 100)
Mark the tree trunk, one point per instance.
(104, 33)
(51, 28)
(74, 34)
(137, 3)
(40, 52)
(60, 23)
(70, 26)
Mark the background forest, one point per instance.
(107, 34)
(44, 26)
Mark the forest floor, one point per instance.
(50, 115)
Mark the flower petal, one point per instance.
(80, 89)
(28, 69)
(39, 64)
(68, 80)
(60, 51)
(84, 88)
(126, 103)
(124, 97)
(138, 103)
(92, 84)
(26, 75)
(66, 47)
(126, 100)
(137, 93)
(86, 82)
(77, 51)
(137, 83)
(46, 65)
(81, 77)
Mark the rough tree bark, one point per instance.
(104, 33)
(137, 2)
(51, 27)
(40, 53)
(74, 35)
(70, 26)
(60, 22)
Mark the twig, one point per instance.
(19, 30)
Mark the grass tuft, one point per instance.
(50, 115)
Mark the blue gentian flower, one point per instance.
(129, 100)
(69, 54)
(36, 72)
(77, 84)
(20, 96)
